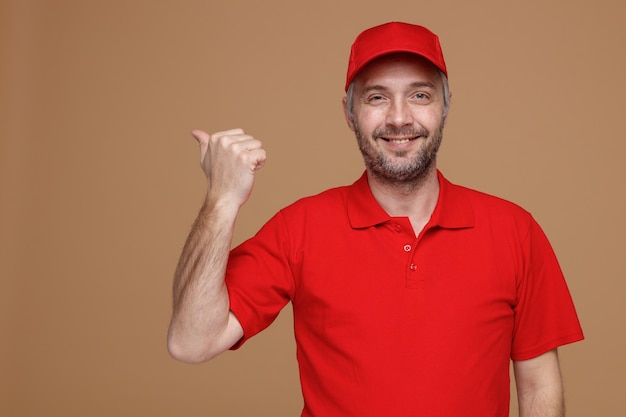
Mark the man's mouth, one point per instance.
(399, 141)
(400, 136)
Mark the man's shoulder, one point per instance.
(487, 204)
(487, 198)
(325, 200)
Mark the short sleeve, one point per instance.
(545, 317)
(259, 278)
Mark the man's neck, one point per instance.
(416, 201)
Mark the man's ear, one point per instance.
(346, 113)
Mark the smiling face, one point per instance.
(397, 116)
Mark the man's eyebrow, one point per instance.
(371, 88)
(418, 84)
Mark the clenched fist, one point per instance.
(230, 160)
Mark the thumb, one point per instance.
(201, 136)
(203, 140)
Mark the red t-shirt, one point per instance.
(390, 324)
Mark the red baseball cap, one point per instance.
(390, 38)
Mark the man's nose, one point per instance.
(399, 114)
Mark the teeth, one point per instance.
(398, 141)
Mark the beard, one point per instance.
(401, 169)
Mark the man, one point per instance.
(410, 294)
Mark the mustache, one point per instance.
(406, 131)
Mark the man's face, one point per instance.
(398, 117)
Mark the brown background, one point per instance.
(100, 179)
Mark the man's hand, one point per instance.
(229, 160)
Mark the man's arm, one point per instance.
(539, 386)
(202, 325)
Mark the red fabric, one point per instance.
(391, 38)
(387, 323)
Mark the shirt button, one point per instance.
(407, 248)
(398, 228)
(413, 267)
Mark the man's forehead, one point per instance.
(409, 69)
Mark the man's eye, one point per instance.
(421, 96)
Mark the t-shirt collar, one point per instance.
(452, 211)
